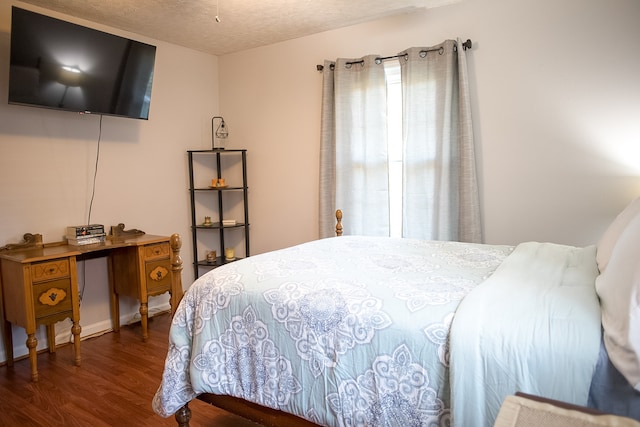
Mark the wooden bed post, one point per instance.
(183, 415)
(176, 272)
(339, 222)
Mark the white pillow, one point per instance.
(610, 236)
(619, 290)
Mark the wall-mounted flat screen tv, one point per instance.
(60, 65)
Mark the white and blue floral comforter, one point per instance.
(345, 331)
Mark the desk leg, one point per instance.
(144, 319)
(75, 330)
(115, 312)
(32, 343)
(113, 297)
(75, 317)
(174, 300)
(8, 342)
(5, 330)
(51, 337)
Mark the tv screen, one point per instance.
(60, 65)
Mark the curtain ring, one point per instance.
(441, 50)
(406, 56)
(378, 61)
(455, 47)
(347, 65)
(423, 53)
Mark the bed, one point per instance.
(370, 331)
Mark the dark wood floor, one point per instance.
(113, 387)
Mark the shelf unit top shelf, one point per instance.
(219, 150)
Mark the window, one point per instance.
(394, 141)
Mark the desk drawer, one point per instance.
(52, 297)
(156, 251)
(49, 270)
(158, 274)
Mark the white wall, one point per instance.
(556, 101)
(47, 161)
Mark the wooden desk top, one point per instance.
(62, 249)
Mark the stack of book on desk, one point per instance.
(85, 234)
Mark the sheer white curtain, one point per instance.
(439, 191)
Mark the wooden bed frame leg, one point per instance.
(183, 416)
(338, 222)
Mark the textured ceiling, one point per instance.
(244, 24)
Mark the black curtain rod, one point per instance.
(466, 45)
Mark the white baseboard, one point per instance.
(63, 331)
(99, 328)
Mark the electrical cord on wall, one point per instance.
(93, 193)
(95, 171)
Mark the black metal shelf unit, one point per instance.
(221, 195)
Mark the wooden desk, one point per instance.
(141, 267)
(40, 285)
